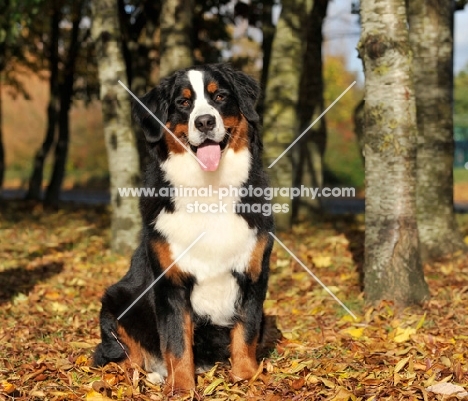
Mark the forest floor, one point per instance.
(56, 265)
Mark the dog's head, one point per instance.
(205, 109)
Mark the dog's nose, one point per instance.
(205, 123)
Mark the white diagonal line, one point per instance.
(161, 275)
(311, 125)
(162, 124)
(314, 276)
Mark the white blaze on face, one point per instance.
(201, 107)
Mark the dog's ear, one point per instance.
(246, 90)
(157, 102)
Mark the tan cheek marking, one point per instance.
(212, 87)
(163, 252)
(256, 258)
(181, 371)
(180, 131)
(239, 132)
(243, 361)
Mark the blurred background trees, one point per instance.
(55, 105)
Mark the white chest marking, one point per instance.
(228, 242)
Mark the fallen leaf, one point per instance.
(447, 389)
(321, 261)
(403, 335)
(7, 387)
(401, 364)
(356, 332)
(212, 386)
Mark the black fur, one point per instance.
(155, 321)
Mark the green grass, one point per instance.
(343, 163)
(460, 174)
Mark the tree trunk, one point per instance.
(392, 268)
(66, 94)
(358, 118)
(119, 137)
(432, 43)
(140, 47)
(2, 149)
(268, 32)
(176, 33)
(282, 95)
(310, 149)
(35, 182)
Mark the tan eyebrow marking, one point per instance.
(187, 93)
(212, 87)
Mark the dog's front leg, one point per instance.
(244, 338)
(246, 331)
(175, 327)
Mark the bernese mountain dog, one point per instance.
(208, 307)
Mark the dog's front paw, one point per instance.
(244, 371)
(179, 382)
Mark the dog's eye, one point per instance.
(219, 97)
(184, 102)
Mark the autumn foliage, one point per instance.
(55, 267)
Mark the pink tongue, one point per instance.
(209, 153)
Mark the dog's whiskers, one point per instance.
(118, 342)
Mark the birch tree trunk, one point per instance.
(176, 33)
(120, 141)
(392, 268)
(432, 43)
(280, 123)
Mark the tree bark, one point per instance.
(392, 268)
(176, 32)
(119, 137)
(308, 166)
(2, 149)
(140, 45)
(66, 94)
(35, 182)
(431, 37)
(268, 32)
(282, 95)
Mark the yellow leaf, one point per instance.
(421, 321)
(212, 387)
(81, 360)
(7, 387)
(299, 276)
(297, 368)
(79, 344)
(328, 383)
(447, 270)
(211, 372)
(58, 307)
(95, 396)
(53, 295)
(342, 395)
(355, 332)
(349, 319)
(321, 261)
(401, 364)
(403, 335)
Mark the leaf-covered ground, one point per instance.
(56, 265)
